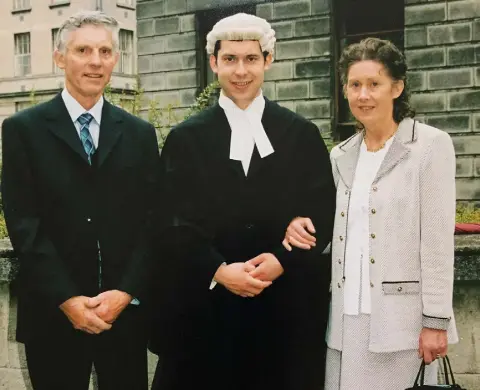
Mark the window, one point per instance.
(127, 3)
(22, 54)
(55, 68)
(356, 20)
(21, 4)
(205, 20)
(125, 60)
(19, 106)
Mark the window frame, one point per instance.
(26, 58)
(344, 123)
(125, 57)
(129, 4)
(55, 68)
(21, 5)
(21, 105)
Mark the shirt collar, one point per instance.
(75, 109)
(256, 106)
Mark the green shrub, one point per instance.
(3, 227)
(468, 214)
(163, 118)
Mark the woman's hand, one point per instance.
(297, 234)
(432, 343)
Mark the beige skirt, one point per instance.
(356, 368)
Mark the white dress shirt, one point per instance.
(357, 275)
(247, 130)
(75, 109)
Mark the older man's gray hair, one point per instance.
(86, 18)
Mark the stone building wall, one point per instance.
(300, 75)
(442, 46)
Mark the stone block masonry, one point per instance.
(442, 47)
(168, 48)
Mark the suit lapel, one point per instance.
(110, 131)
(395, 154)
(60, 124)
(398, 150)
(347, 162)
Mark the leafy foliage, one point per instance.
(162, 118)
(467, 214)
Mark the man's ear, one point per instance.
(59, 59)
(268, 61)
(117, 56)
(213, 63)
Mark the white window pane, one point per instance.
(22, 43)
(125, 62)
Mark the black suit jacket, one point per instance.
(215, 214)
(57, 207)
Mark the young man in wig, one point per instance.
(238, 311)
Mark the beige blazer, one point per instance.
(411, 248)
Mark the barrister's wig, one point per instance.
(242, 27)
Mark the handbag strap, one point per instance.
(420, 375)
(447, 360)
(447, 371)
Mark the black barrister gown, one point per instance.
(212, 213)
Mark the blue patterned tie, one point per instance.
(89, 148)
(85, 136)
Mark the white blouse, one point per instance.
(357, 275)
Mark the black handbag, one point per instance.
(448, 372)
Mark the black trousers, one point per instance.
(63, 361)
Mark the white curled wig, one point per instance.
(242, 27)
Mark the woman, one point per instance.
(393, 246)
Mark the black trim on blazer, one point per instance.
(438, 318)
(402, 281)
(347, 141)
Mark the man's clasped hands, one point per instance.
(97, 314)
(250, 278)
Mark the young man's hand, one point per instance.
(236, 278)
(267, 267)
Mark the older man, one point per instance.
(79, 176)
(239, 311)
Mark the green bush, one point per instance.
(3, 227)
(468, 214)
(162, 118)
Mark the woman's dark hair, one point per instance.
(386, 53)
